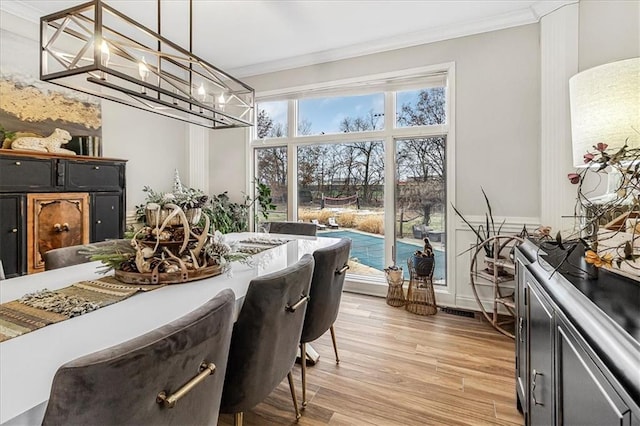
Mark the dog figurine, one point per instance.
(52, 143)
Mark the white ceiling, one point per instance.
(252, 37)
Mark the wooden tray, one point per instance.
(172, 278)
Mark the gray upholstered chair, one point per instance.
(331, 264)
(69, 256)
(292, 228)
(136, 382)
(265, 338)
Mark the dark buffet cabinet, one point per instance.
(49, 201)
(577, 344)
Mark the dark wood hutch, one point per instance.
(49, 201)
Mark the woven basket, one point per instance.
(171, 278)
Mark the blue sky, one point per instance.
(325, 114)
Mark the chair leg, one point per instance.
(333, 339)
(238, 418)
(293, 394)
(303, 351)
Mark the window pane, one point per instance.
(341, 186)
(271, 170)
(343, 114)
(420, 200)
(272, 120)
(425, 107)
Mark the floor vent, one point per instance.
(458, 312)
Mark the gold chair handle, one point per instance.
(342, 270)
(299, 303)
(171, 400)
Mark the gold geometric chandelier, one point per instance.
(98, 50)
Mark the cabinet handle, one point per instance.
(520, 327)
(533, 387)
(61, 228)
(18, 163)
(96, 168)
(14, 230)
(98, 222)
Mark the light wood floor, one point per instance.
(397, 368)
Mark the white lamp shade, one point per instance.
(605, 107)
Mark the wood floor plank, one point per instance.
(398, 368)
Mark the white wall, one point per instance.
(497, 110)
(153, 145)
(228, 160)
(609, 31)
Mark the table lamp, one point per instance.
(605, 107)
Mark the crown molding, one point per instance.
(512, 19)
(525, 16)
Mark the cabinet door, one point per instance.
(93, 176)
(540, 345)
(12, 235)
(522, 384)
(54, 221)
(19, 174)
(585, 396)
(106, 217)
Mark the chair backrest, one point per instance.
(266, 336)
(69, 256)
(326, 289)
(119, 385)
(293, 228)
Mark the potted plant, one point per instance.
(424, 260)
(483, 232)
(227, 216)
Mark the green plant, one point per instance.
(227, 216)
(483, 232)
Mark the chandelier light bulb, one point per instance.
(106, 54)
(202, 93)
(143, 70)
(221, 101)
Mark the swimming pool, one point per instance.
(369, 250)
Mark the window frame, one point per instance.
(389, 84)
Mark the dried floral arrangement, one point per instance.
(615, 246)
(163, 249)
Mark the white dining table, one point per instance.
(29, 362)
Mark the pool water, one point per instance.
(369, 250)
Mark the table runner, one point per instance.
(45, 307)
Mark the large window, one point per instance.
(369, 166)
(340, 114)
(271, 169)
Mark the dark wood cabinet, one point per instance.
(575, 364)
(521, 335)
(541, 323)
(92, 176)
(72, 200)
(55, 220)
(106, 210)
(24, 174)
(12, 234)
(586, 397)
